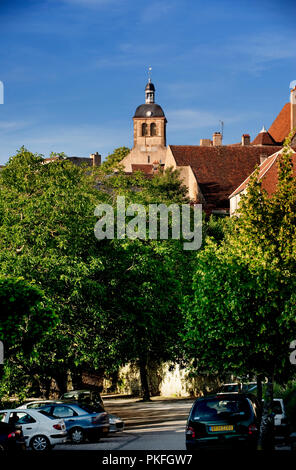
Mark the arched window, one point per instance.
(153, 128)
(144, 129)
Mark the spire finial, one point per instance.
(149, 73)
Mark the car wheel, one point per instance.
(2, 449)
(40, 443)
(76, 435)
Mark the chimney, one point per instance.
(246, 140)
(205, 142)
(96, 158)
(293, 108)
(217, 139)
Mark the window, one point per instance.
(92, 408)
(63, 412)
(21, 418)
(144, 129)
(2, 417)
(153, 129)
(148, 158)
(35, 405)
(216, 409)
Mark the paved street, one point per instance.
(158, 425)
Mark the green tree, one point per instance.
(242, 315)
(100, 289)
(112, 162)
(25, 314)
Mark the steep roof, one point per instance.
(219, 170)
(268, 173)
(264, 138)
(281, 126)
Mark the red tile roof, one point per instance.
(281, 126)
(264, 138)
(144, 167)
(268, 173)
(219, 170)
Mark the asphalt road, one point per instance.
(157, 425)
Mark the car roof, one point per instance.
(38, 401)
(19, 410)
(227, 396)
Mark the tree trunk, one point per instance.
(61, 380)
(144, 378)
(259, 388)
(266, 435)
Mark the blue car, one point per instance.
(82, 421)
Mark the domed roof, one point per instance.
(150, 87)
(149, 110)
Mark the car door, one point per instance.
(66, 413)
(26, 422)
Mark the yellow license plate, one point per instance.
(220, 428)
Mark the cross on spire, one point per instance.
(149, 73)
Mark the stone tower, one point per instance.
(149, 132)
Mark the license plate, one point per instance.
(220, 428)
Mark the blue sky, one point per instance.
(75, 70)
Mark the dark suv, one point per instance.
(223, 421)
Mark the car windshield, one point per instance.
(216, 409)
(46, 412)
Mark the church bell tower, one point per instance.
(149, 124)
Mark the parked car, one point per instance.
(35, 404)
(86, 396)
(82, 420)
(281, 425)
(40, 432)
(223, 421)
(237, 387)
(116, 423)
(11, 438)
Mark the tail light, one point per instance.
(102, 417)
(252, 428)
(58, 426)
(190, 432)
(11, 435)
